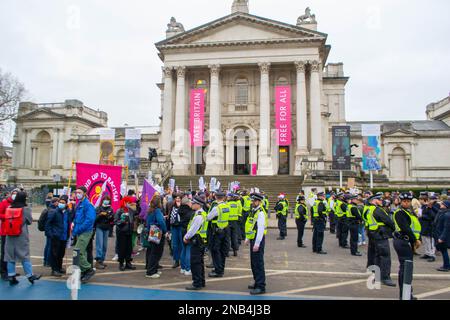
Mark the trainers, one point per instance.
(116, 258)
(188, 273)
(182, 271)
(159, 272)
(34, 278)
(153, 276)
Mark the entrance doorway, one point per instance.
(241, 153)
(283, 165)
(200, 164)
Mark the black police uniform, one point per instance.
(332, 218)
(379, 243)
(403, 244)
(301, 222)
(282, 220)
(353, 226)
(219, 248)
(319, 228)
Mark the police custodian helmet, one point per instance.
(406, 196)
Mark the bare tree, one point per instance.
(11, 93)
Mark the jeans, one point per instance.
(26, 267)
(47, 250)
(186, 257)
(177, 243)
(442, 247)
(101, 244)
(362, 233)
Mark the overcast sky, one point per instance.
(396, 52)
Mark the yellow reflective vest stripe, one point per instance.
(338, 210)
(415, 225)
(250, 224)
(297, 214)
(285, 209)
(223, 210)
(234, 210)
(204, 228)
(372, 223)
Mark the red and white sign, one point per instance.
(283, 115)
(197, 117)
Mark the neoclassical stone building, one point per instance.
(238, 61)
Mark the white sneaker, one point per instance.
(159, 272)
(115, 258)
(182, 271)
(359, 243)
(153, 276)
(364, 243)
(188, 273)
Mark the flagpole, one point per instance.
(126, 179)
(70, 175)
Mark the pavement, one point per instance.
(291, 273)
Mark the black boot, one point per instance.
(13, 281)
(129, 266)
(34, 278)
(121, 267)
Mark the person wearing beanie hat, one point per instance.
(441, 233)
(196, 237)
(255, 232)
(83, 227)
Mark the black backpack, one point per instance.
(42, 220)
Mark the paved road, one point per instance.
(292, 273)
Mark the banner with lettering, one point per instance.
(100, 180)
(341, 148)
(107, 138)
(371, 146)
(132, 149)
(197, 116)
(283, 115)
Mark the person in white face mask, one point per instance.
(3, 206)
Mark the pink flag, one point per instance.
(283, 115)
(100, 180)
(197, 118)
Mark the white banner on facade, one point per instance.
(132, 134)
(107, 134)
(370, 130)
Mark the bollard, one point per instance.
(73, 282)
(407, 280)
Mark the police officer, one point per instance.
(265, 203)
(219, 241)
(319, 218)
(406, 235)
(246, 207)
(339, 214)
(197, 237)
(380, 228)
(255, 232)
(301, 217)
(235, 213)
(343, 237)
(211, 204)
(332, 218)
(282, 208)
(354, 220)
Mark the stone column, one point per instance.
(302, 117)
(214, 157)
(316, 114)
(60, 147)
(180, 154)
(55, 147)
(27, 154)
(264, 157)
(166, 132)
(23, 145)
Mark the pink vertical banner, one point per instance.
(254, 169)
(283, 115)
(197, 117)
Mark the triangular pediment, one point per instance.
(400, 133)
(42, 113)
(241, 28)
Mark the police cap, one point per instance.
(199, 200)
(378, 195)
(257, 196)
(406, 196)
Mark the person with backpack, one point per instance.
(57, 229)
(3, 206)
(53, 205)
(105, 215)
(83, 226)
(17, 248)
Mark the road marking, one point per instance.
(310, 272)
(432, 293)
(218, 279)
(327, 286)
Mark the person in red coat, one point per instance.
(3, 206)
